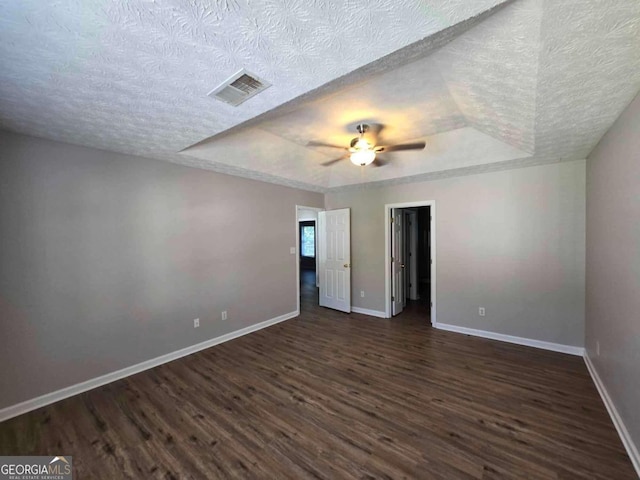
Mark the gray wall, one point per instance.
(106, 259)
(512, 242)
(613, 264)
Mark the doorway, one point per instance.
(306, 256)
(410, 258)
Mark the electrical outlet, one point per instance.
(292, 250)
(362, 293)
(481, 311)
(224, 315)
(598, 348)
(196, 322)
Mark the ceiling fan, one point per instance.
(362, 152)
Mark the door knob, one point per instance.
(402, 265)
(347, 265)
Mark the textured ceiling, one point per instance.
(488, 88)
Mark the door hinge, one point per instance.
(393, 299)
(391, 219)
(392, 259)
(431, 261)
(431, 304)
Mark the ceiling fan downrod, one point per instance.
(362, 128)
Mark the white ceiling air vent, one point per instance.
(239, 87)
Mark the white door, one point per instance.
(412, 261)
(397, 262)
(334, 256)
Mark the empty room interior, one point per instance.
(290, 239)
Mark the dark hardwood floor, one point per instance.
(331, 395)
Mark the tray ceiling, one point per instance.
(488, 84)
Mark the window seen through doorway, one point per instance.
(308, 240)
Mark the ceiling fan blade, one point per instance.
(313, 143)
(379, 162)
(331, 162)
(405, 146)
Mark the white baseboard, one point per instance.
(555, 347)
(49, 398)
(632, 451)
(366, 311)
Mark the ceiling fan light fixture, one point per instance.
(362, 144)
(361, 152)
(363, 158)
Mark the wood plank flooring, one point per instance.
(331, 395)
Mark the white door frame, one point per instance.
(387, 253)
(298, 208)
